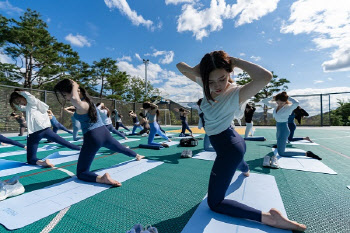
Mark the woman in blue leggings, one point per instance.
(135, 121)
(183, 118)
(75, 123)
(283, 106)
(96, 135)
(154, 127)
(223, 101)
(106, 119)
(55, 124)
(297, 113)
(38, 125)
(6, 140)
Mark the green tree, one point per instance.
(31, 46)
(136, 91)
(274, 86)
(103, 70)
(117, 84)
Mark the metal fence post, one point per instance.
(321, 110)
(329, 110)
(45, 97)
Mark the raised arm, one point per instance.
(188, 71)
(268, 103)
(76, 101)
(259, 75)
(29, 97)
(295, 102)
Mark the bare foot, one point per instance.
(126, 138)
(274, 218)
(169, 140)
(25, 147)
(165, 145)
(139, 157)
(44, 163)
(107, 179)
(307, 138)
(247, 174)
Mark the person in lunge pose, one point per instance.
(135, 121)
(118, 120)
(297, 113)
(38, 125)
(154, 127)
(283, 105)
(75, 123)
(223, 100)
(248, 116)
(21, 121)
(96, 135)
(183, 117)
(55, 124)
(106, 119)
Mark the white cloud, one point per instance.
(203, 21)
(175, 2)
(48, 20)
(9, 9)
(168, 56)
(269, 41)
(78, 40)
(292, 65)
(312, 103)
(242, 54)
(330, 79)
(125, 58)
(138, 56)
(5, 59)
(255, 58)
(125, 9)
(329, 25)
(177, 87)
(318, 81)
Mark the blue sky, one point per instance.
(305, 41)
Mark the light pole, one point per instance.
(146, 63)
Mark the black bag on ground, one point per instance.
(188, 142)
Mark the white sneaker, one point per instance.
(274, 162)
(266, 162)
(10, 189)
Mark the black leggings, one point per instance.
(93, 141)
(10, 141)
(230, 149)
(120, 124)
(34, 139)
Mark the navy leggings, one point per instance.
(230, 149)
(93, 141)
(184, 127)
(10, 141)
(58, 126)
(120, 124)
(113, 130)
(292, 127)
(34, 139)
(153, 131)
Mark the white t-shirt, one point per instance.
(36, 113)
(219, 115)
(282, 114)
(103, 113)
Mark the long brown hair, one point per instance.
(66, 86)
(212, 61)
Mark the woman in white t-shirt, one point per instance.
(223, 101)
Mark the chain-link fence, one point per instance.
(317, 105)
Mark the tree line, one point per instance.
(39, 61)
